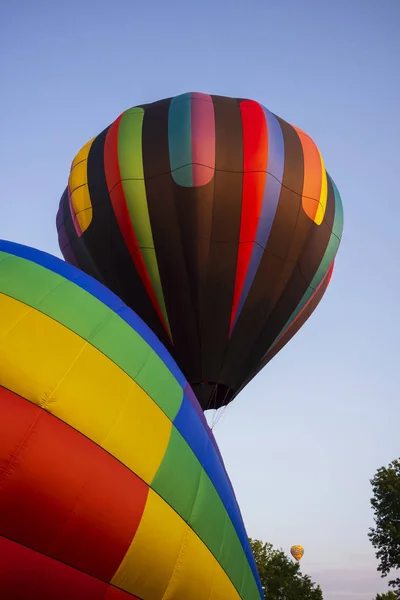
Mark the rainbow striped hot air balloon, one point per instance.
(111, 483)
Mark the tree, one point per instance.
(386, 596)
(385, 537)
(280, 577)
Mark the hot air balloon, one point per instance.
(216, 221)
(297, 552)
(112, 485)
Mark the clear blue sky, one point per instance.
(303, 439)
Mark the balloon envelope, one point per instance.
(216, 221)
(111, 478)
(297, 552)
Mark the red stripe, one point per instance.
(330, 272)
(63, 495)
(113, 178)
(255, 157)
(118, 201)
(324, 283)
(29, 575)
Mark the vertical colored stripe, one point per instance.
(130, 159)
(255, 155)
(168, 208)
(323, 199)
(267, 156)
(328, 257)
(219, 276)
(315, 189)
(78, 191)
(312, 175)
(114, 148)
(191, 139)
(276, 161)
(337, 228)
(273, 184)
(115, 189)
(326, 266)
(180, 140)
(75, 221)
(64, 212)
(203, 138)
(305, 303)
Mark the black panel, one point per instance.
(169, 222)
(222, 262)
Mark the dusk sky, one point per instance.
(303, 439)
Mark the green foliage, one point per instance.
(281, 578)
(385, 537)
(386, 596)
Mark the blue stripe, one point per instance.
(255, 260)
(196, 436)
(195, 403)
(273, 181)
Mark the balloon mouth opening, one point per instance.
(212, 395)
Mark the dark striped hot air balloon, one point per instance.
(216, 221)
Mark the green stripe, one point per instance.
(328, 257)
(178, 475)
(338, 220)
(88, 317)
(183, 483)
(130, 159)
(249, 586)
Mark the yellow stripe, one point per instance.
(319, 217)
(181, 566)
(49, 365)
(78, 188)
(82, 207)
(82, 154)
(154, 550)
(200, 572)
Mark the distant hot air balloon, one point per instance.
(112, 485)
(297, 552)
(216, 221)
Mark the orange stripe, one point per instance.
(312, 175)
